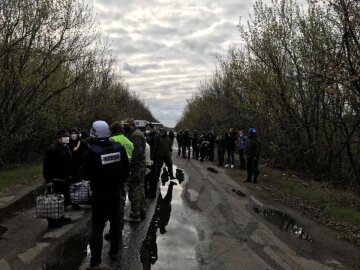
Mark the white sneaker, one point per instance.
(232, 166)
(226, 166)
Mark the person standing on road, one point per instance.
(242, 139)
(186, 143)
(151, 180)
(179, 139)
(210, 138)
(195, 145)
(138, 169)
(107, 166)
(230, 139)
(171, 136)
(57, 170)
(163, 154)
(221, 146)
(252, 153)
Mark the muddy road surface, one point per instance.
(203, 219)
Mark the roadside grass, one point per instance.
(339, 204)
(21, 175)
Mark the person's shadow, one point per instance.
(180, 176)
(160, 219)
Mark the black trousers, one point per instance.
(159, 163)
(151, 181)
(62, 187)
(242, 159)
(184, 149)
(195, 153)
(252, 168)
(221, 155)
(106, 206)
(211, 154)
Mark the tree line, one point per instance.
(56, 71)
(295, 78)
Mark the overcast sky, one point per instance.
(165, 48)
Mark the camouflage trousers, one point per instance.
(136, 188)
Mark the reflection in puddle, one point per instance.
(238, 192)
(164, 176)
(171, 237)
(285, 222)
(212, 170)
(167, 239)
(160, 219)
(179, 175)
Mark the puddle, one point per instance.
(69, 255)
(238, 192)
(192, 195)
(171, 237)
(285, 222)
(167, 239)
(212, 170)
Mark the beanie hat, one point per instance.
(252, 130)
(100, 129)
(74, 130)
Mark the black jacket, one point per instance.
(58, 163)
(107, 166)
(153, 141)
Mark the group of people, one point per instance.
(203, 146)
(111, 157)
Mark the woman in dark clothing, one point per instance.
(230, 140)
(58, 168)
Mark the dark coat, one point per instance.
(221, 144)
(58, 163)
(153, 141)
(164, 148)
(77, 155)
(252, 148)
(230, 139)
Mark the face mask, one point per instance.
(65, 140)
(73, 136)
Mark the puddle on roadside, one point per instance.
(69, 255)
(212, 170)
(285, 222)
(238, 192)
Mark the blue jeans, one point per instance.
(231, 156)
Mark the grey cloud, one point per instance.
(165, 49)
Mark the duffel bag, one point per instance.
(50, 206)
